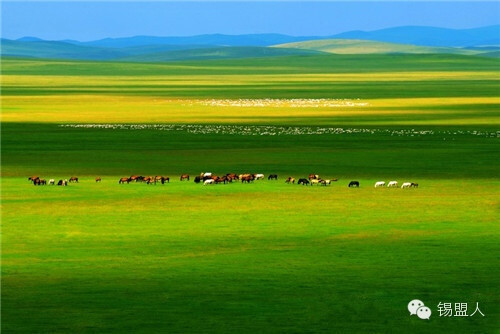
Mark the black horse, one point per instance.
(272, 177)
(354, 184)
(197, 179)
(303, 182)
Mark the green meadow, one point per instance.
(265, 257)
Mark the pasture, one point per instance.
(259, 257)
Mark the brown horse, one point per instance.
(232, 176)
(136, 178)
(184, 177)
(290, 180)
(313, 177)
(33, 178)
(73, 179)
(247, 178)
(97, 179)
(124, 179)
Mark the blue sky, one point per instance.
(94, 20)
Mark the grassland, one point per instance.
(264, 257)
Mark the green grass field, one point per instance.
(265, 257)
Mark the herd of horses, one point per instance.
(37, 181)
(209, 178)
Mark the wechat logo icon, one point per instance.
(417, 307)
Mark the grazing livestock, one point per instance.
(353, 184)
(124, 179)
(206, 175)
(184, 177)
(73, 179)
(232, 176)
(313, 177)
(197, 179)
(379, 184)
(33, 178)
(273, 177)
(62, 183)
(414, 185)
(290, 180)
(258, 176)
(39, 182)
(325, 182)
(392, 184)
(247, 178)
(406, 185)
(303, 182)
(52, 182)
(97, 179)
(223, 179)
(315, 181)
(208, 181)
(136, 178)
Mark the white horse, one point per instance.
(259, 176)
(52, 182)
(326, 182)
(315, 181)
(392, 184)
(206, 175)
(406, 185)
(209, 181)
(380, 184)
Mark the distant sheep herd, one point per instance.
(209, 179)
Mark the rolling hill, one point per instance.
(353, 46)
(220, 53)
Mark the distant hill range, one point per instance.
(483, 41)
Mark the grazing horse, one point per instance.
(223, 179)
(197, 179)
(406, 185)
(33, 178)
(208, 181)
(184, 177)
(353, 184)
(315, 181)
(392, 184)
(247, 178)
(258, 176)
(165, 179)
(136, 178)
(313, 177)
(379, 184)
(325, 182)
(303, 182)
(149, 179)
(37, 182)
(73, 179)
(206, 174)
(290, 180)
(232, 176)
(62, 183)
(97, 179)
(124, 179)
(52, 182)
(273, 177)
(414, 185)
